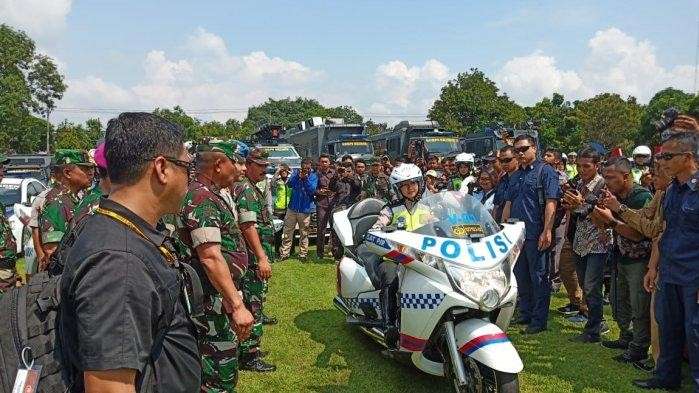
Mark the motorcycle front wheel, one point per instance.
(481, 378)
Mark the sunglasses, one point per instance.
(667, 156)
(522, 149)
(505, 160)
(190, 166)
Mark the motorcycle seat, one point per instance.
(362, 216)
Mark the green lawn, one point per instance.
(316, 352)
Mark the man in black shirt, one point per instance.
(347, 187)
(123, 321)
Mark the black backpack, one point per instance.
(30, 315)
(30, 319)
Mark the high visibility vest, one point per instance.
(282, 196)
(414, 220)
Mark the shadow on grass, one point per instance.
(368, 370)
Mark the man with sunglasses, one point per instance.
(508, 165)
(677, 298)
(532, 196)
(217, 248)
(77, 174)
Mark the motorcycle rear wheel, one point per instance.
(482, 379)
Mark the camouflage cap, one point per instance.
(71, 156)
(216, 146)
(258, 156)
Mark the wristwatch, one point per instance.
(623, 208)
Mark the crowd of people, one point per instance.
(605, 227)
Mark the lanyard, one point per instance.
(118, 217)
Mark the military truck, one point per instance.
(490, 140)
(318, 135)
(271, 138)
(426, 137)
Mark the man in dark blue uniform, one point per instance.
(677, 298)
(507, 158)
(532, 196)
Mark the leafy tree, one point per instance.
(29, 84)
(75, 136)
(556, 122)
(375, 128)
(610, 120)
(662, 100)
(471, 102)
(288, 112)
(177, 115)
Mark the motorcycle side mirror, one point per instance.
(388, 228)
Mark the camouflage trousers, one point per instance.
(218, 346)
(254, 294)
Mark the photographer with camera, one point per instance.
(347, 187)
(303, 183)
(590, 243)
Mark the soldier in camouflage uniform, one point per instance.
(376, 184)
(215, 248)
(92, 200)
(77, 173)
(8, 247)
(255, 220)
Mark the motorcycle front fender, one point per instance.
(488, 344)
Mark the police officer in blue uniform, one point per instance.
(532, 196)
(677, 298)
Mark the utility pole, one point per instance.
(48, 133)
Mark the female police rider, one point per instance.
(404, 213)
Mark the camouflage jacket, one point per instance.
(55, 218)
(8, 245)
(87, 205)
(207, 218)
(252, 206)
(376, 187)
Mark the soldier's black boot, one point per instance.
(267, 320)
(257, 364)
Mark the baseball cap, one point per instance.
(258, 156)
(432, 173)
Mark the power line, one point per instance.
(208, 111)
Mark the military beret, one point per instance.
(229, 149)
(71, 156)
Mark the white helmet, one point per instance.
(404, 173)
(641, 151)
(467, 158)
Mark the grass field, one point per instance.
(316, 352)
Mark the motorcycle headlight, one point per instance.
(484, 287)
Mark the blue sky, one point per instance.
(387, 57)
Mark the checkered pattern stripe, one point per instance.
(355, 302)
(424, 301)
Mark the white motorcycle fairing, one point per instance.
(487, 344)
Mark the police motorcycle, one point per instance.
(456, 289)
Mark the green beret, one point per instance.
(227, 148)
(71, 156)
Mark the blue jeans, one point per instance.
(590, 269)
(532, 273)
(677, 313)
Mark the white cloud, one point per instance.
(209, 76)
(401, 88)
(616, 62)
(528, 78)
(42, 19)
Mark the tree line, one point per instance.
(31, 86)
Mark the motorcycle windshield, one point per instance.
(455, 215)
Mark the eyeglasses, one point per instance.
(190, 166)
(667, 156)
(522, 149)
(506, 160)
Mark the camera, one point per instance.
(666, 119)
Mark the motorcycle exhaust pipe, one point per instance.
(457, 364)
